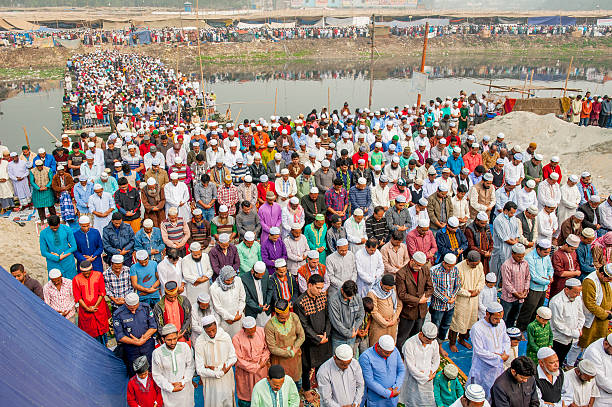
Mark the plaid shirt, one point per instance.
(229, 197)
(446, 284)
(336, 201)
(118, 287)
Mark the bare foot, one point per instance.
(443, 353)
(465, 344)
(453, 348)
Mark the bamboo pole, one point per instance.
(237, 117)
(569, 68)
(423, 59)
(51, 134)
(25, 132)
(275, 95)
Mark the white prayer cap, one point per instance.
(224, 238)
(195, 247)
(442, 141)
(572, 282)
(545, 352)
(451, 371)
(533, 210)
(60, 167)
(544, 243)
(142, 255)
(314, 190)
(400, 199)
(248, 178)
(277, 264)
(587, 367)
(450, 258)
(13, 154)
(491, 278)
(422, 201)
(325, 163)
(104, 175)
(213, 142)
(514, 332)
(457, 149)
(147, 223)
(249, 236)
(518, 248)
(475, 392)
(174, 175)
(223, 208)
(386, 343)
(488, 176)
(573, 178)
(395, 159)
(430, 330)
(554, 159)
(494, 307)
(208, 320)
(344, 352)
(197, 212)
(544, 312)
(554, 176)
(595, 199)
(482, 216)
(55, 273)
(204, 298)
(118, 164)
(609, 337)
(501, 135)
(550, 203)
(84, 219)
(132, 299)
(248, 322)
(423, 222)
(294, 200)
(419, 257)
(96, 187)
(362, 181)
(284, 171)
(41, 150)
(313, 254)
(530, 184)
(274, 230)
(442, 187)
(358, 212)
(453, 222)
(151, 181)
(117, 259)
(173, 211)
(259, 266)
(297, 225)
(572, 239)
(486, 138)
(510, 182)
(588, 232)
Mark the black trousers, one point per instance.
(534, 300)
(561, 350)
(406, 329)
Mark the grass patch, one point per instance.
(26, 73)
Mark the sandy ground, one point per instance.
(20, 245)
(580, 149)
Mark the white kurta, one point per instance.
(21, 187)
(100, 204)
(215, 352)
(6, 186)
(566, 390)
(486, 296)
(525, 199)
(595, 353)
(547, 224)
(355, 232)
(191, 272)
(546, 192)
(167, 271)
(487, 342)
(175, 195)
(582, 391)
(227, 303)
(567, 318)
(369, 269)
(420, 360)
(174, 366)
(570, 199)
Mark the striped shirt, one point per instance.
(118, 286)
(446, 284)
(238, 174)
(174, 231)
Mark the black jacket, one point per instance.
(589, 216)
(128, 201)
(507, 392)
(252, 308)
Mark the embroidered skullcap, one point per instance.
(572, 282)
(142, 255)
(132, 299)
(494, 307)
(545, 352)
(55, 273)
(491, 278)
(204, 298)
(587, 367)
(168, 329)
(544, 312)
(248, 322)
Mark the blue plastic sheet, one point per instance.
(552, 20)
(48, 361)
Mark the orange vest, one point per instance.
(304, 271)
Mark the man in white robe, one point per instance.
(18, 174)
(197, 272)
(228, 300)
(214, 358)
(177, 196)
(101, 205)
(600, 352)
(549, 189)
(526, 196)
(570, 199)
(547, 221)
(356, 230)
(172, 369)
(422, 359)
(490, 348)
(581, 381)
(369, 265)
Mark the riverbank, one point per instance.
(43, 63)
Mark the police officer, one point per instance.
(135, 326)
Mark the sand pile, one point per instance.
(580, 148)
(20, 245)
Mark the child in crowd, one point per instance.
(515, 337)
(447, 387)
(539, 333)
(487, 295)
(362, 341)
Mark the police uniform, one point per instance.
(125, 324)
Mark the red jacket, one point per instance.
(141, 396)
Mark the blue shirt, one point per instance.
(540, 269)
(379, 374)
(81, 196)
(585, 260)
(145, 277)
(126, 323)
(501, 198)
(360, 198)
(455, 164)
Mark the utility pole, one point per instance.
(423, 59)
(371, 63)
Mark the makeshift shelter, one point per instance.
(552, 20)
(48, 361)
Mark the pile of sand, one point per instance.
(20, 245)
(580, 148)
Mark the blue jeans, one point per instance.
(584, 121)
(337, 342)
(207, 214)
(511, 312)
(442, 319)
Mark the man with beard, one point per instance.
(478, 235)
(567, 317)
(482, 196)
(491, 347)
(516, 387)
(553, 390)
(583, 388)
(505, 235)
(154, 201)
(600, 352)
(197, 272)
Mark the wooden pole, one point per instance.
(371, 64)
(275, 95)
(567, 76)
(423, 59)
(47, 130)
(530, 81)
(237, 117)
(25, 132)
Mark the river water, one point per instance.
(299, 88)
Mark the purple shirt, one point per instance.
(269, 216)
(271, 251)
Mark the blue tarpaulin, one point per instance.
(48, 361)
(552, 20)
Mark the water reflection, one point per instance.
(9, 89)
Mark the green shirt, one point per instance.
(248, 256)
(376, 158)
(446, 391)
(538, 336)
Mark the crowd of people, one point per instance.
(326, 256)
(125, 37)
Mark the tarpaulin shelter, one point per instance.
(415, 23)
(552, 20)
(48, 361)
(70, 44)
